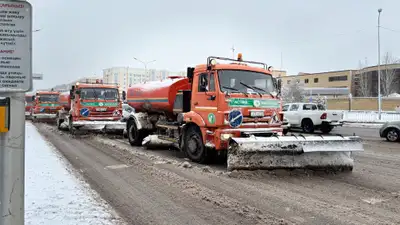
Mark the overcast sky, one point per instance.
(80, 38)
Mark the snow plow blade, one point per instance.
(293, 152)
(44, 118)
(105, 126)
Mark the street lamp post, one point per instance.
(379, 66)
(144, 63)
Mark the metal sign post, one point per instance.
(15, 80)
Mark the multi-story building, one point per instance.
(126, 76)
(344, 82)
(67, 87)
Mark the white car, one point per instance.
(310, 117)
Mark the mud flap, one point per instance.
(293, 152)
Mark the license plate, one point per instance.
(101, 109)
(256, 113)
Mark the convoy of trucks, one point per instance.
(223, 107)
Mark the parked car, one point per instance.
(310, 117)
(390, 131)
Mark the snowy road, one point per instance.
(54, 193)
(159, 187)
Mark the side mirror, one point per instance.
(123, 95)
(190, 72)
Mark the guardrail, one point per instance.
(370, 116)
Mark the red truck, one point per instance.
(91, 107)
(45, 106)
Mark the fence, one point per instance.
(370, 116)
(362, 103)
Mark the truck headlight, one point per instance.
(225, 137)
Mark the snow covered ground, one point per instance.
(54, 192)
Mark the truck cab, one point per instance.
(93, 106)
(45, 106)
(234, 100)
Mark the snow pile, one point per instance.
(55, 196)
(394, 95)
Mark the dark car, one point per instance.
(390, 131)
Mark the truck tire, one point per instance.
(135, 136)
(285, 131)
(71, 128)
(59, 122)
(194, 146)
(307, 125)
(326, 129)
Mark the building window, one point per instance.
(315, 80)
(337, 78)
(288, 82)
(306, 81)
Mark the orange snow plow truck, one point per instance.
(45, 106)
(91, 107)
(28, 105)
(231, 108)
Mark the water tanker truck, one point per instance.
(91, 107)
(45, 106)
(232, 107)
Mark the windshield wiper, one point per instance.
(234, 89)
(263, 90)
(251, 87)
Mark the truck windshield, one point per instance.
(28, 99)
(48, 98)
(241, 81)
(99, 94)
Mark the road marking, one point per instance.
(115, 167)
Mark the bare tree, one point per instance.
(389, 76)
(293, 92)
(363, 78)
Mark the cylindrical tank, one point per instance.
(156, 96)
(65, 100)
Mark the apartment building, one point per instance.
(67, 87)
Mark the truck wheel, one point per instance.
(326, 129)
(59, 122)
(285, 131)
(71, 128)
(308, 126)
(135, 136)
(393, 135)
(194, 146)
